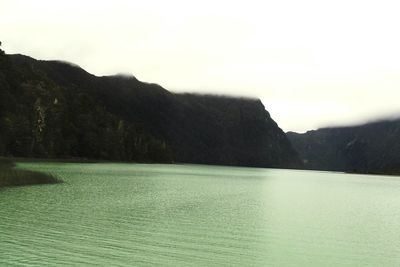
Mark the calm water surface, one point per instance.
(182, 215)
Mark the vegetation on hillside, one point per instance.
(39, 118)
(53, 109)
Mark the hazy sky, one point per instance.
(312, 63)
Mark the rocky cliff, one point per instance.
(56, 109)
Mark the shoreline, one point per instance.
(84, 160)
(12, 176)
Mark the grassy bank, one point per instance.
(10, 176)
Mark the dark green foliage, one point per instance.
(58, 110)
(369, 148)
(42, 119)
(6, 163)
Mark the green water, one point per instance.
(183, 215)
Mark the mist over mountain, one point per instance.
(369, 148)
(55, 109)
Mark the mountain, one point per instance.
(369, 148)
(56, 109)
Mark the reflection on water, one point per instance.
(126, 214)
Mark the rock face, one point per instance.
(369, 148)
(60, 110)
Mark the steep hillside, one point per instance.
(56, 109)
(369, 148)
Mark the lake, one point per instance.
(178, 215)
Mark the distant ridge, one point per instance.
(368, 148)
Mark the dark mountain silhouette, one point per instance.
(369, 148)
(58, 110)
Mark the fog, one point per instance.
(312, 63)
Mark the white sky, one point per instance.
(312, 63)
